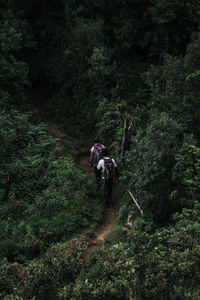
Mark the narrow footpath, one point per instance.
(109, 219)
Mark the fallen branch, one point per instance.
(136, 203)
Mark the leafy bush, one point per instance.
(14, 37)
(162, 265)
(109, 275)
(186, 175)
(40, 194)
(111, 116)
(175, 89)
(41, 279)
(64, 205)
(149, 165)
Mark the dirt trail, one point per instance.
(103, 229)
(109, 219)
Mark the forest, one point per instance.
(127, 72)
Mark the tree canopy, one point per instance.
(128, 72)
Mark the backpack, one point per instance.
(97, 152)
(108, 169)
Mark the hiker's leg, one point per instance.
(96, 172)
(106, 193)
(110, 191)
(98, 178)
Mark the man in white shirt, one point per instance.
(107, 168)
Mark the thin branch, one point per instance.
(124, 139)
(136, 203)
(130, 125)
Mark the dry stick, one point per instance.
(124, 139)
(136, 203)
(130, 125)
(127, 127)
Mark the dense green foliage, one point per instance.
(42, 193)
(98, 50)
(162, 265)
(186, 174)
(127, 71)
(42, 278)
(44, 197)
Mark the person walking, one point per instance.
(95, 156)
(107, 168)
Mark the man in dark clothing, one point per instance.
(107, 168)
